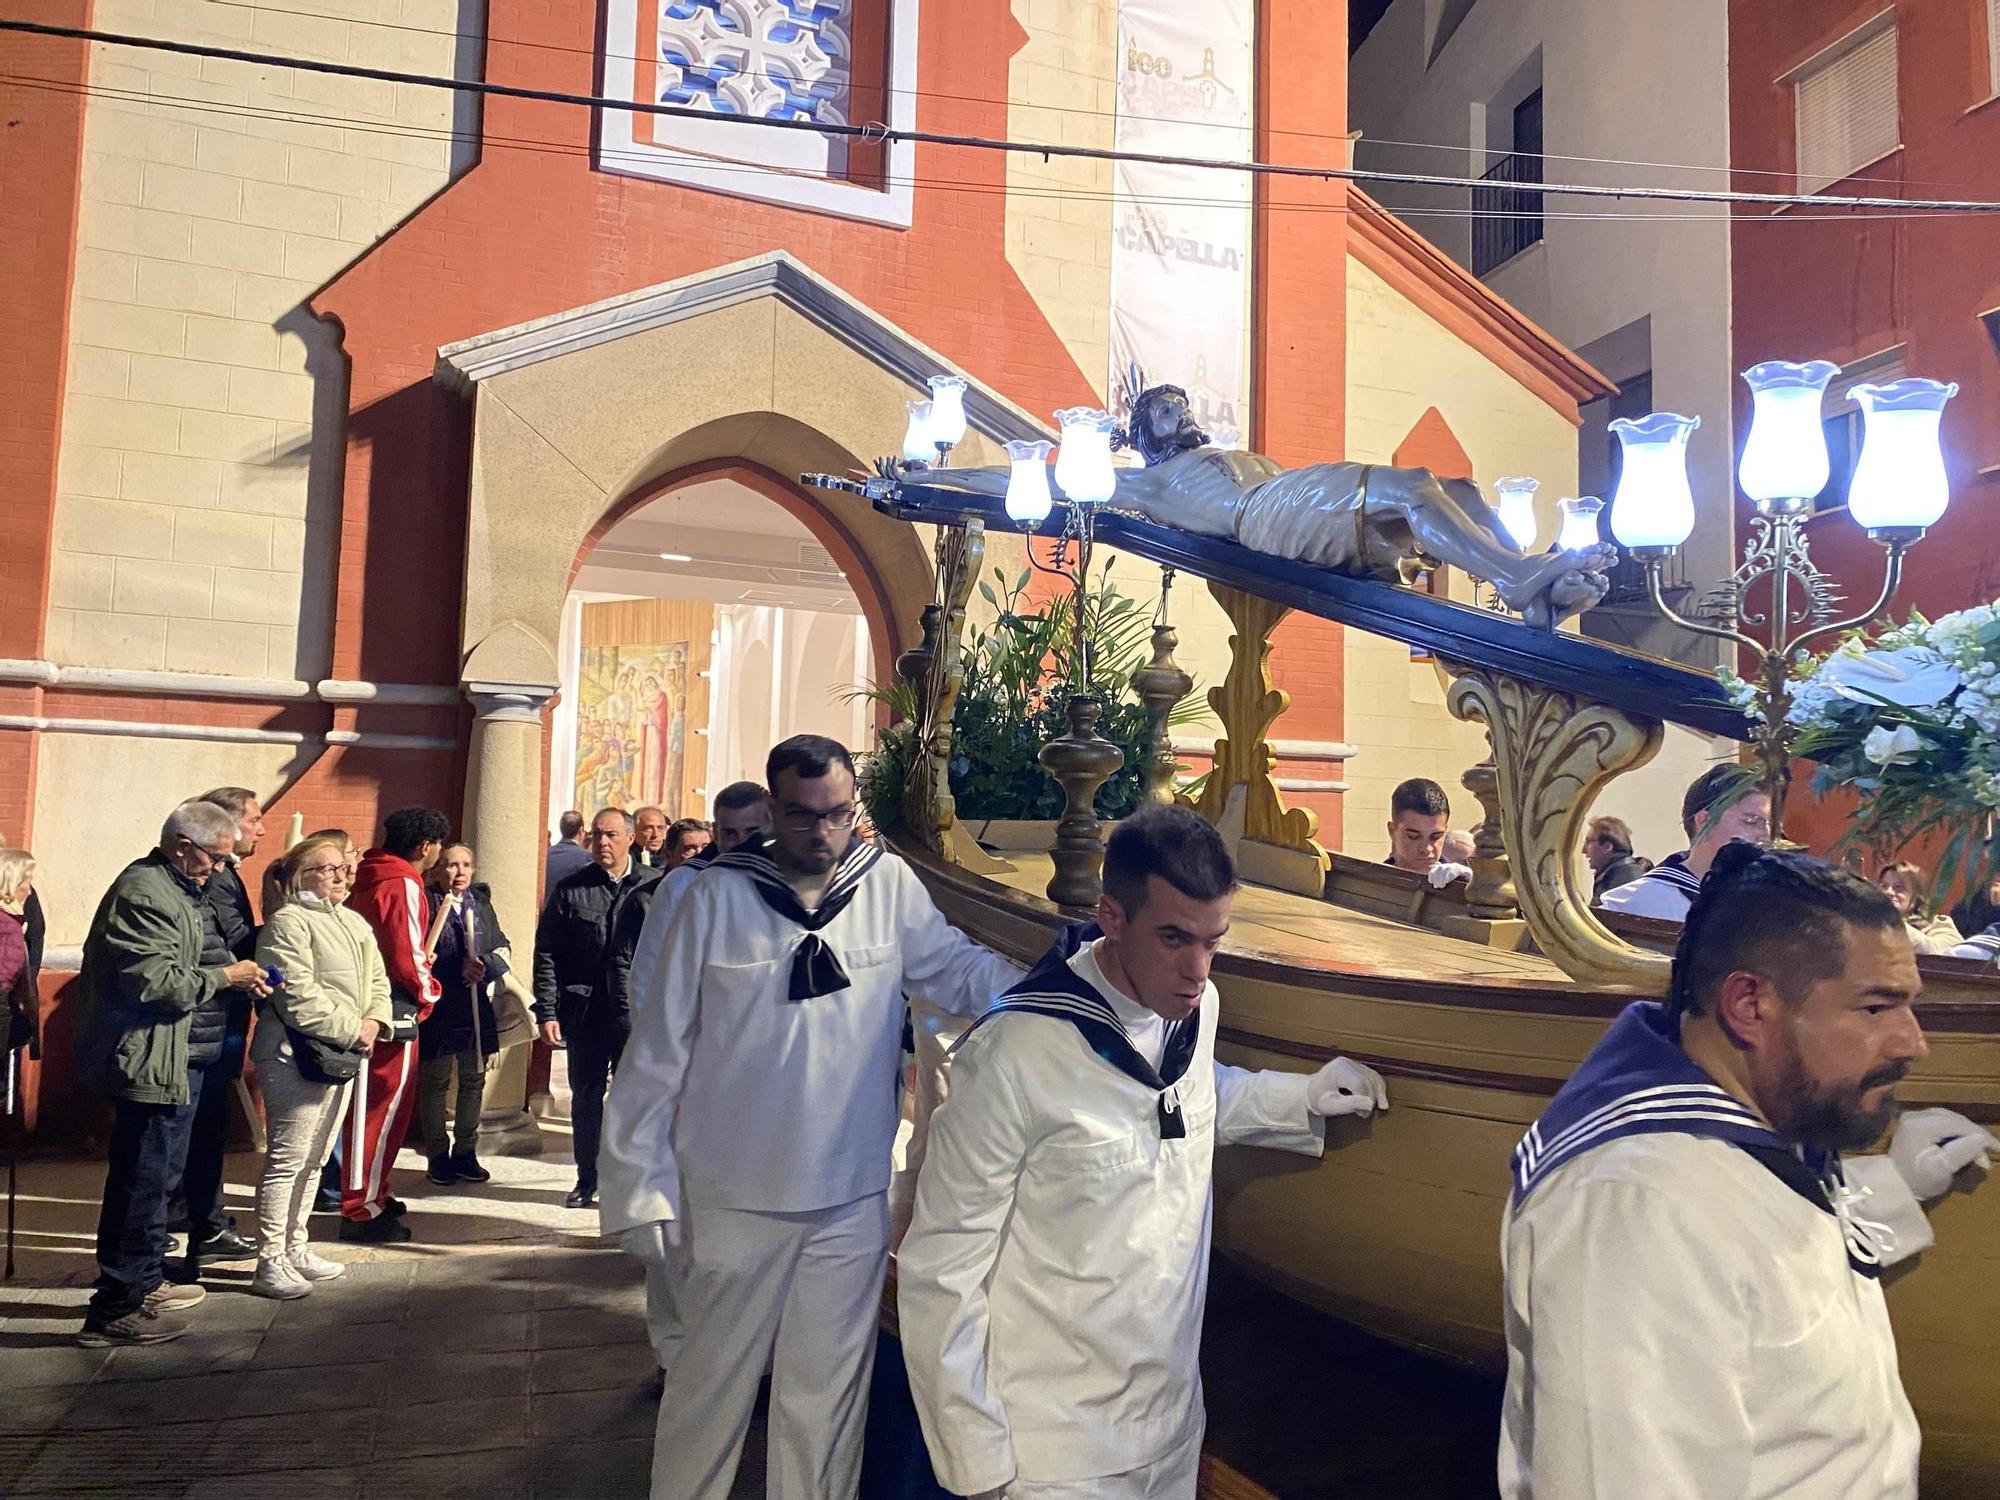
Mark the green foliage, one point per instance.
(1015, 700)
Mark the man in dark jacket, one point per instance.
(216, 1044)
(1608, 848)
(583, 971)
(146, 973)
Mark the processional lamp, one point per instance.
(1898, 491)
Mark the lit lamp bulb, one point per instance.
(1654, 505)
(1517, 508)
(1028, 496)
(1899, 483)
(947, 422)
(1784, 461)
(917, 437)
(1579, 523)
(1084, 470)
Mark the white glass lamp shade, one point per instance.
(1028, 496)
(1084, 470)
(1517, 508)
(947, 428)
(1784, 456)
(1900, 482)
(1654, 505)
(1579, 523)
(917, 446)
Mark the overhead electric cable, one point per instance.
(1049, 149)
(724, 166)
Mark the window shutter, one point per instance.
(1993, 44)
(1876, 369)
(1847, 111)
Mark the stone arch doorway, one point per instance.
(761, 367)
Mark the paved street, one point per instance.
(500, 1354)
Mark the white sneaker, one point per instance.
(315, 1267)
(276, 1278)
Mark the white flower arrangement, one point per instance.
(1911, 720)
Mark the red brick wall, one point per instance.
(1841, 289)
(41, 154)
(1300, 340)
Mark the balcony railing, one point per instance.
(1506, 219)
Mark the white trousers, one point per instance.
(663, 1324)
(797, 1293)
(300, 1117)
(1170, 1478)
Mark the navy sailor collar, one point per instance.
(1052, 988)
(1673, 871)
(816, 968)
(1638, 1081)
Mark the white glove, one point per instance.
(649, 1243)
(1345, 1087)
(1932, 1146)
(1442, 874)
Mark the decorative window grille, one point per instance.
(1847, 106)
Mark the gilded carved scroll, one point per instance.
(1552, 753)
(928, 808)
(1248, 704)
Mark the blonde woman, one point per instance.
(312, 1040)
(1904, 884)
(17, 970)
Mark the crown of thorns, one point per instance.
(1137, 393)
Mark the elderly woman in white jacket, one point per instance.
(335, 992)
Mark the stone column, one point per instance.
(504, 823)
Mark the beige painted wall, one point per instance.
(1062, 87)
(194, 490)
(1400, 362)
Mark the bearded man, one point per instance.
(1693, 1306)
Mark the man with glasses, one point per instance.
(583, 969)
(747, 1147)
(1723, 804)
(146, 972)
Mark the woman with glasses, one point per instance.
(313, 1036)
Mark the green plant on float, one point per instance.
(1015, 700)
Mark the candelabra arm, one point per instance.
(1698, 627)
(1892, 579)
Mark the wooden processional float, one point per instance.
(1475, 1002)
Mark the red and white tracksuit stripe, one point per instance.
(389, 895)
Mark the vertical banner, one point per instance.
(1181, 236)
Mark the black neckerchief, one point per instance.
(816, 968)
(1052, 988)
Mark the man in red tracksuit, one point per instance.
(389, 894)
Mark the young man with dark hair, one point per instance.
(389, 894)
(1419, 818)
(584, 945)
(1723, 804)
(686, 837)
(756, 1106)
(1089, 1097)
(1692, 1298)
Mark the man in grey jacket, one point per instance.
(143, 979)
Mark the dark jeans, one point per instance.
(201, 1182)
(593, 1058)
(149, 1146)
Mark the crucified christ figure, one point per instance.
(1365, 520)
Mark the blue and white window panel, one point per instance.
(766, 59)
(756, 59)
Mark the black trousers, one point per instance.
(593, 1055)
(149, 1146)
(201, 1182)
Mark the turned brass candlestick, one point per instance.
(1082, 761)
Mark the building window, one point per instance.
(1507, 219)
(1842, 421)
(833, 62)
(1634, 399)
(1846, 105)
(1993, 46)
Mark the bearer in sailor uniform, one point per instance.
(747, 1145)
(1724, 803)
(1051, 1285)
(1693, 1307)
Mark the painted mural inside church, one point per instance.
(632, 725)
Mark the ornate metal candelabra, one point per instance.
(1897, 491)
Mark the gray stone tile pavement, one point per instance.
(500, 1354)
